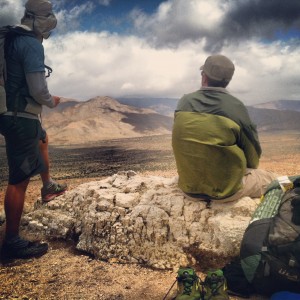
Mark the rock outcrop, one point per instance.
(143, 219)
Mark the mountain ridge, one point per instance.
(292, 105)
(101, 118)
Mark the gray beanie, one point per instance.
(39, 17)
(218, 67)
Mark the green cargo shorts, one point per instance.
(22, 136)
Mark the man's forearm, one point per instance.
(38, 89)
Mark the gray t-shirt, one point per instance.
(25, 59)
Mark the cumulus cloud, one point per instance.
(105, 2)
(265, 72)
(219, 22)
(262, 17)
(70, 20)
(11, 11)
(163, 57)
(176, 21)
(91, 64)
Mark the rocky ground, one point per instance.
(64, 273)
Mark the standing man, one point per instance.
(26, 141)
(215, 144)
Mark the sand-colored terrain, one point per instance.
(64, 273)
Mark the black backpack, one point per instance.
(270, 248)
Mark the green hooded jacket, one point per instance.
(214, 141)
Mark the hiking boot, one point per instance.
(188, 286)
(215, 286)
(52, 190)
(20, 248)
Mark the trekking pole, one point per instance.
(169, 290)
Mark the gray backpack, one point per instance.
(3, 32)
(7, 32)
(270, 248)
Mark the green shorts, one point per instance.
(22, 137)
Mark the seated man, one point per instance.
(215, 144)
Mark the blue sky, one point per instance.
(155, 48)
(112, 15)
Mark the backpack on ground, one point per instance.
(237, 283)
(270, 248)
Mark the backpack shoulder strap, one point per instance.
(3, 33)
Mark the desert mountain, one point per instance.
(101, 118)
(163, 106)
(274, 120)
(276, 115)
(166, 106)
(292, 105)
(269, 116)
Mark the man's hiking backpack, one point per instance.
(7, 33)
(3, 33)
(270, 248)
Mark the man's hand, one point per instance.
(56, 100)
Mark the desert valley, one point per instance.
(98, 138)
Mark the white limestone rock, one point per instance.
(146, 219)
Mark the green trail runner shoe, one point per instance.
(188, 285)
(52, 190)
(215, 286)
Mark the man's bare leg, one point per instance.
(50, 188)
(45, 176)
(13, 205)
(14, 246)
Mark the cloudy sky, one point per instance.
(155, 48)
